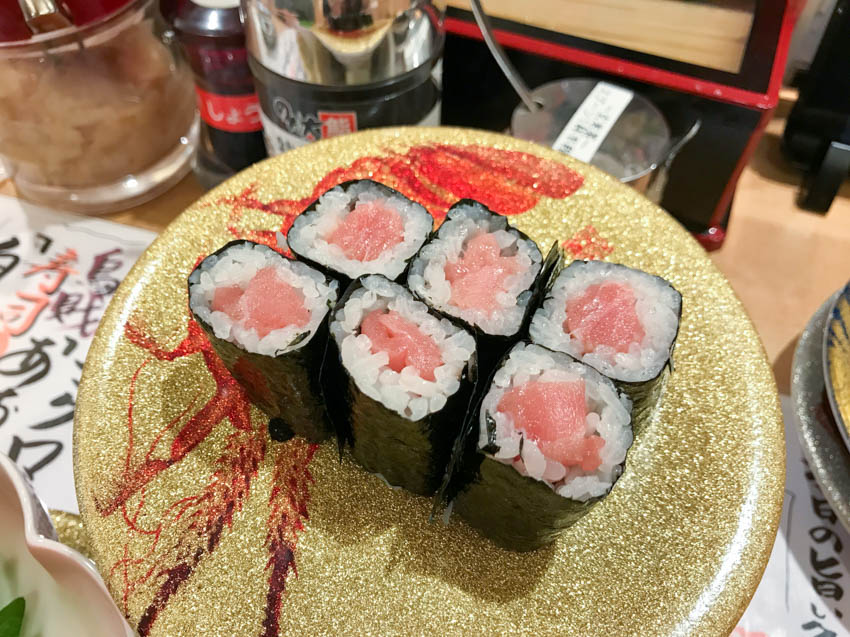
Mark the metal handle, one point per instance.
(44, 15)
(504, 63)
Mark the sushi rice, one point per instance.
(237, 266)
(405, 392)
(309, 232)
(658, 306)
(427, 277)
(608, 416)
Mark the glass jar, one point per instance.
(99, 117)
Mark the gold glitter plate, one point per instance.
(70, 531)
(836, 361)
(201, 525)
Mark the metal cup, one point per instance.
(328, 67)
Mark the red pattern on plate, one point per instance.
(203, 516)
(288, 503)
(435, 175)
(587, 243)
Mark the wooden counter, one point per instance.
(782, 261)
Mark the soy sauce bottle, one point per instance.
(213, 41)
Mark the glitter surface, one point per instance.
(227, 533)
(70, 531)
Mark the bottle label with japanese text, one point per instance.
(231, 113)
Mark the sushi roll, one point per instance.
(265, 317)
(482, 272)
(397, 382)
(550, 441)
(360, 227)
(621, 321)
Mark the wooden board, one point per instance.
(712, 34)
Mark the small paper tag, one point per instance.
(592, 121)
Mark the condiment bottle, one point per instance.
(211, 36)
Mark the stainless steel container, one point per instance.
(328, 67)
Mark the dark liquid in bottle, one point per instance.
(213, 42)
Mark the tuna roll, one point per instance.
(358, 228)
(481, 271)
(396, 381)
(620, 321)
(550, 441)
(265, 317)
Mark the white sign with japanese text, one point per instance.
(805, 590)
(57, 274)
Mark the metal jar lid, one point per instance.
(343, 42)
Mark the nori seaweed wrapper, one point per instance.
(645, 395)
(491, 347)
(412, 454)
(517, 512)
(344, 279)
(286, 387)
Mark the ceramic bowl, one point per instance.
(64, 593)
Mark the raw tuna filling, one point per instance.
(266, 304)
(605, 315)
(403, 341)
(368, 231)
(479, 273)
(554, 415)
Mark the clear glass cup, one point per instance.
(100, 117)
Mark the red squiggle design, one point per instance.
(201, 518)
(587, 243)
(288, 502)
(212, 512)
(203, 515)
(435, 175)
(229, 402)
